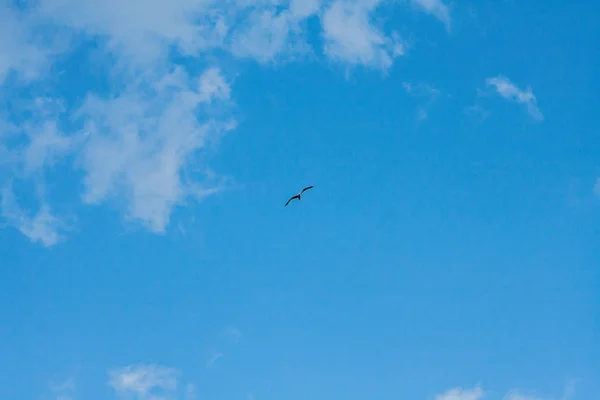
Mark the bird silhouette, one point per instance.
(299, 195)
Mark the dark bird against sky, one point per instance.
(299, 195)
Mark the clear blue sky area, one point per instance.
(449, 249)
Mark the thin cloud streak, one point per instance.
(475, 393)
(144, 381)
(211, 361)
(508, 90)
(437, 8)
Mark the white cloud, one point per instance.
(46, 145)
(422, 90)
(351, 37)
(436, 8)
(43, 143)
(522, 395)
(153, 382)
(516, 394)
(304, 8)
(64, 390)
(18, 50)
(142, 135)
(43, 227)
(39, 145)
(137, 145)
(477, 113)
(262, 29)
(475, 393)
(248, 28)
(144, 381)
(138, 30)
(212, 360)
(266, 36)
(505, 88)
(190, 392)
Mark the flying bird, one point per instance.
(299, 195)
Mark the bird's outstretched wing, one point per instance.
(306, 188)
(292, 198)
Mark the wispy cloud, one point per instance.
(64, 390)
(437, 8)
(33, 146)
(519, 394)
(136, 140)
(305, 8)
(234, 333)
(43, 227)
(144, 381)
(477, 113)
(508, 90)
(423, 91)
(271, 35)
(137, 145)
(154, 382)
(351, 37)
(213, 359)
(475, 393)
(190, 392)
(46, 144)
(21, 49)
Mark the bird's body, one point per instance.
(299, 195)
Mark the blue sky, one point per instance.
(448, 250)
